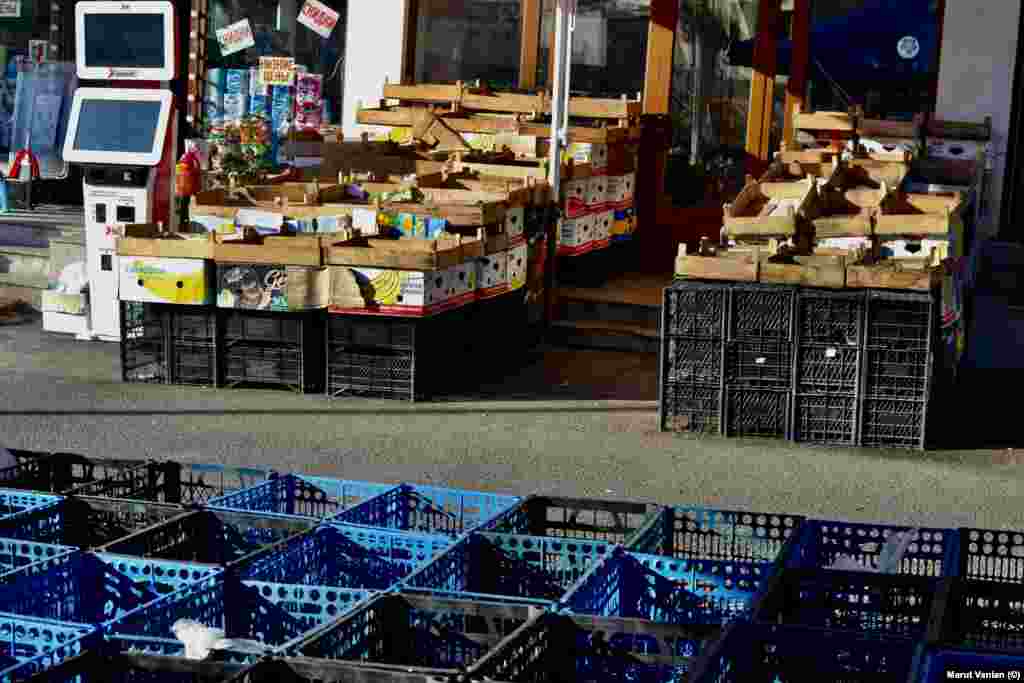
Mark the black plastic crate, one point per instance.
(689, 408)
(759, 364)
(194, 363)
(193, 323)
(981, 615)
(990, 555)
(757, 412)
(695, 310)
(761, 312)
(826, 370)
(308, 670)
(274, 349)
(103, 665)
(831, 318)
(901, 321)
(825, 419)
(893, 423)
(71, 473)
(143, 343)
(692, 361)
(611, 521)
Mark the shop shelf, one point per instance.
(13, 501)
(104, 666)
(769, 653)
(830, 318)
(428, 509)
(209, 536)
(825, 419)
(218, 601)
(143, 343)
(761, 312)
(280, 349)
(933, 553)
(87, 588)
(86, 522)
(31, 647)
(691, 361)
(413, 630)
(298, 495)
(15, 554)
(669, 591)
(889, 604)
(555, 647)
(757, 412)
(698, 533)
(695, 310)
(759, 364)
(688, 408)
(935, 664)
(505, 566)
(983, 616)
(990, 555)
(610, 521)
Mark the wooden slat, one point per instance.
(511, 103)
(762, 86)
(715, 268)
(827, 272)
(892, 276)
(661, 33)
(823, 121)
(796, 85)
(529, 45)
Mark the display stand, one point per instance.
(124, 137)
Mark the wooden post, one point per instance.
(762, 86)
(796, 86)
(529, 45)
(409, 36)
(661, 34)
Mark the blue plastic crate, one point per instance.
(15, 553)
(103, 666)
(219, 601)
(428, 509)
(297, 495)
(86, 588)
(488, 565)
(611, 521)
(935, 665)
(29, 646)
(405, 548)
(412, 630)
(209, 536)
(552, 648)
(13, 501)
(933, 553)
(669, 591)
(769, 653)
(889, 604)
(698, 533)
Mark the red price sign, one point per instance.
(237, 36)
(318, 17)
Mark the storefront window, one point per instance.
(609, 51)
(466, 40)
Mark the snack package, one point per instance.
(309, 101)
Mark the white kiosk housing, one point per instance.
(125, 138)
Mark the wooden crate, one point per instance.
(894, 275)
(917, 215)
(769, 210)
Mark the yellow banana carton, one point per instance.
(182, 281)
(517, 266)
(398, 292)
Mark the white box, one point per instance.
(515, 219)
(461, 282)
(965, 150)
(574, 197)
(570, 233)
(518, 261)
(183, 281)
(603, 223)
(589, 153)
(615, 190)
(628, 186)
(587, 226)
(65, 323)
(596, 193)
(492, 274)
(405, 291)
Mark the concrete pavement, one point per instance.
(572, 423)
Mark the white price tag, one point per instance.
(760, 361)
(10, 9)
(318, 18)
(830, 353)
(237, 36)
(365, 221)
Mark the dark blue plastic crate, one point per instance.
(29, 646)
(990, 555)
(297, 495)
(86, 522)
(298, 670)
(86, 588)
(888, 604)
(552, 648)
(219, 601)
(982, 615)
(936, 665)
(406, 549)
(669, 591)
(489, 566)
(428, 509)
(697, 533)
(104, 666)
(209, 536)
(933, 553)
(13, 501)
(15, 554)
(413, 630)
(612, 521)
(769, 653)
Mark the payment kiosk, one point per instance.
(124, 136)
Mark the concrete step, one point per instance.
(636, 337)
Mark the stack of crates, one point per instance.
(843, 368)
(275, 349)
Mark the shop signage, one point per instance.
(318, 17)
(238, 36)
(908, 47)
(276, 70)
(10, 9)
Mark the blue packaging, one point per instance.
(436, 226)
(236, 107)
(213, 102)
(259, 100)
(281, 103)
(237, 82)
